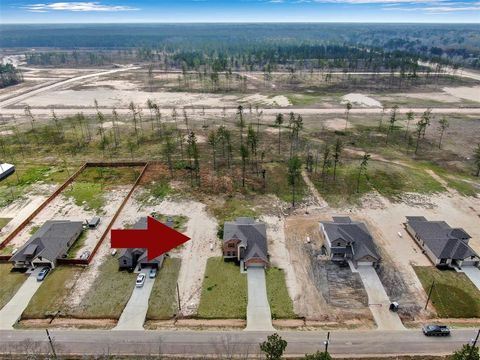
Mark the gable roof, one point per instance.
(442, 240)
(51, 241)
(252, 235)
(353, 232)
(141, 224)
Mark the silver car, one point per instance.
(140, 280)
(43, 273)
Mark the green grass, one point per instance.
(179, 221)
(11, 282)
(4, 222)
(281, 305)
(7, 250)
(77, 245)
(163, 299)
(224, 291)
(109, 176)
(453, 296)
(34, 229)
(232, 208)
(87, 195)
(390, 180)
(50, 297)
(108, 294)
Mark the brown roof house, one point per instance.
(444, 245)
(131, 258)
(245, 241)
(347, 240)
(49, 243)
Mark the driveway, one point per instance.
(133, 316)
(473, 274)
(259, 317)
(12, 311)
(378, 300)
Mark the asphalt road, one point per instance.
(202, 343)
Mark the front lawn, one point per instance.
(11, 282)
(281, 305)
(454, 295)
(163, 299)
(224, 291)
(50, 297)
(4, 222)
(108, 294)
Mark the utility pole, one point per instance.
(178, 298)
(430, 294)
(326, 342)
(474, 344)
(51, 344)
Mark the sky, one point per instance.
(170, 11)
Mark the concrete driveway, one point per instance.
(473, 274)
(378, 300)
(133, 316)
(259, 317)
(11, 312)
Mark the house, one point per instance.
(245, 241)
(131, 258)
(49, 243)
(442, 244)
(6, 170)
(347, 240)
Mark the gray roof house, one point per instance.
(347, 240)
(49, 243)
(130, 258)
(443, 244)
(245, 240)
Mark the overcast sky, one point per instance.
(34, 11)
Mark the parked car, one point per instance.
(436, 330)
(153, 273)
(43, 273)
(140, 280)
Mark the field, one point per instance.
(453, 295)
(224, 291)
(163, 299)
(11, 282)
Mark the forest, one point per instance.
(9, 75)
(248, 44)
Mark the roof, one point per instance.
(252, 235)
(442, 240)
(141, 224)
(51, 241)
(356, 234)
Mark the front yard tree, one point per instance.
(241, 122)
(444, 125)
(319, 355)
(410, 117)
(476, 159)
(168, 151)
(273, 347)
(294, 173)
(326, 162)
(362, 170)
(193, 154)
(467, 352)
(421, 126)
(212, 141)
(278, 123)
(337, 152)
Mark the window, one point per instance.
(231, 245)
(124, 262)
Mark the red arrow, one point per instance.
(157, 238)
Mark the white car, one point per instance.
(140, 280)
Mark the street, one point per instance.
(241, 343)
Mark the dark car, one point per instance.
(436, 330)
(43, 273)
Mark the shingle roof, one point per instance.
(51, 241)
(442, 240)
(353, 232)
(253, 235)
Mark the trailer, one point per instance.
(6, 170)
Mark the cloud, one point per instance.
(76, 6)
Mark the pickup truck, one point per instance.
(436, 330)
